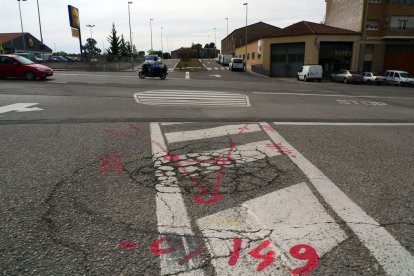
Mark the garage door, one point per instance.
(286, 59)
(400, 57)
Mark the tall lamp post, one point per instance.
(227, 19)
(40, 27)
(91, 44)
(215, 42)
(130, 34)
(151, 31)
(21, 23)
(162, 45)
(245, 52)
(364, 37)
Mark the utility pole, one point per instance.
(227, 19)
(364, 38)
(151, 33)
(162, 45)
(40, 26)
(91, 44)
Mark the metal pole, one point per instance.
(245, 52)
(227, 19)
(130, 35)
(21, 22)
(90, 27)
(40, 27)
(364, 37)
(162, 45)
(151, 32)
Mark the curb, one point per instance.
(258, 75)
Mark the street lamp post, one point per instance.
(40, 27)
(245, 52)
(227, 19)
(364, 39)
(215, 42)
(130, 35)
(91, 44)
(162, 45)
(21, 23)
(151, 32)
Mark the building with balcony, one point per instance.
(386, 27)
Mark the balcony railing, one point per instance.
(406, 30)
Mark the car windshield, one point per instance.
(353, 72)
(24, 61)
(238, 61)
(377, 75)
(405, 75)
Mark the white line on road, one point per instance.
(187, 75)
(340, 124)
(393, 258)
(19, 107)
(183, 136)
(172, 217)
(324, 95)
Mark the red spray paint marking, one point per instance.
(191, 255)
(130, 245)
(199, 198)
(234, 257)
(111, 163)
(155, 247)
(117, 133)
(268, 258)
(281, 149)
(136, 128)
(309, 254)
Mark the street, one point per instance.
(205, 173)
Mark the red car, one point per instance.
(12, 66)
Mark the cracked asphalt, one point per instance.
(80, 178)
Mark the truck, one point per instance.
(225, 59)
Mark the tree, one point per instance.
(90, 48)
(124, 48)
(157, 53)
(141, 53)
(114, 43)
(207, 46)
(212, 45)
(197, 46)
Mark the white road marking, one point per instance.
(183, 136)
(340, 124)
(222, 68)
(209, 69)
(175, 123)
(217, 76)
(215, 68)
(277, 216)
(393, 258)
(19, 107)
(187, 75)
(191, 98)
(172, 215)
(324, 95)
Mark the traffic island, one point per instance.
(190, 64)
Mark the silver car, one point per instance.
(346, 76)
(373, 78)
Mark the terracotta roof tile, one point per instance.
(6, 37)
(306, 28)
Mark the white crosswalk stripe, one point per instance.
(191, 98)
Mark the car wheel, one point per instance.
(331, 79)
(29, 76)
(402, 84)
(345, 80)
(369, 82)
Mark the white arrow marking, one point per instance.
(19, 107)
(217, 76)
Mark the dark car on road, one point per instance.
(346, 76)
(13, 66)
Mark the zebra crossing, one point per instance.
(191, 98)
(275, 222)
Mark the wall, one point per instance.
(345, 14)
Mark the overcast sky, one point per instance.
(184, 21)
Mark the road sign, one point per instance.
(75, 33)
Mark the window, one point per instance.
(248, 55)
(374, 1)
(253, 55)
(403, 1)
(259, 56)
(402, 24)
(372, 25)
(6, 60)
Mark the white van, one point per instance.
(310, 73)
(236, 64)
(401, 78)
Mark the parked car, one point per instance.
(30, 56)
(225, 59)
(401, 78)
(236, 64)
(373, 78)
(59, 59)
(310, 73)
(346, 76)
(14, 66)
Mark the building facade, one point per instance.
(386, 27)
(282, 54)
(238, 37)
(22, 43)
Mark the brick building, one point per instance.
(389, 31)
(238, 37)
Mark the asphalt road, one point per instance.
(97, 167)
